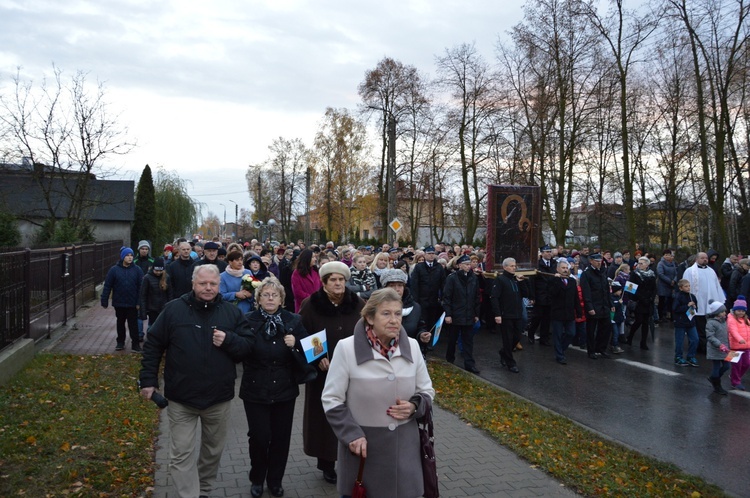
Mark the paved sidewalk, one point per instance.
(469, 462)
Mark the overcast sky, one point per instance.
(205, 86)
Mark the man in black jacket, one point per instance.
(461, 304)
(427, 280)
(564, 307)
(540, 320)
(204, 337)
(507, 296)
(595, 288)
(180, 271)
(211, 257)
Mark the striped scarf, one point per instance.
(386, 351)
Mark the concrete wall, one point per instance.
(14, 358)
(103, 230)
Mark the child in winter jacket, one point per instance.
(738, 327)
(684, 302)
(718, 343)
(362, 281)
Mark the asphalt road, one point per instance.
(638, 398)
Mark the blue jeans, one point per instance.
(580, 337)
(563, 333)
(618, 329)
(679, 339)
(719, 367)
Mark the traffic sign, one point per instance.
(395, 225)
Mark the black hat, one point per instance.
(158, 263)
(210, 245)
(429, 249)
(595, 256)
(222, 252)
(546, 247)
(463, 259)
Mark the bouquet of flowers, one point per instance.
(250, 283)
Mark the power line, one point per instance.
(220, 193)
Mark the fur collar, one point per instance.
(324, 306)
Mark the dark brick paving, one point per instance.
(469, 462)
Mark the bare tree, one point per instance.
(67, 132)
(288, 162)
(718, 36)
(387, 91)
(561, 49)
(342, 175)
(466, 76)
(624, 32)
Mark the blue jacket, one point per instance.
(125, 285)
(666, 272)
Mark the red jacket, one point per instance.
(580, 317)
(302, 287)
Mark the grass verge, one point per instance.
(75, 426)
(580, 459)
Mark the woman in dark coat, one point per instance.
(337, 310)
(644, 296)
(156, 292)
(269, 387)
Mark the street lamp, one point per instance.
(270, 224)
(236, 217)
(225, 221)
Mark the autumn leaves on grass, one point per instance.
(580, 459)
(75, 425)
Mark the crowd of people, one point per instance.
(210, 305)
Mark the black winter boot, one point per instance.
(716, 382)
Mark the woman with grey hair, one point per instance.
(269, 386)
(377, 389)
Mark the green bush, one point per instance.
(10, 235)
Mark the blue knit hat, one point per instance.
(124, 251)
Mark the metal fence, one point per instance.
(41, 289)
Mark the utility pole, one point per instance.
(224, 229)
(391, 178)
(260, 203)
(236, 218)
(307, 205)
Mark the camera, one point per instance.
(156, 397)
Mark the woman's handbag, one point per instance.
(427, 448)
(359, 490)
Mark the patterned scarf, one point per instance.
(274, 323)
(386, 351)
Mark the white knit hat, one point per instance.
(715, 307)
(335, 267)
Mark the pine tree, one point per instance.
(144, 226)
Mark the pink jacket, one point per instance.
(738, 331)
(302, 287)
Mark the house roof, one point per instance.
(22, 195)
